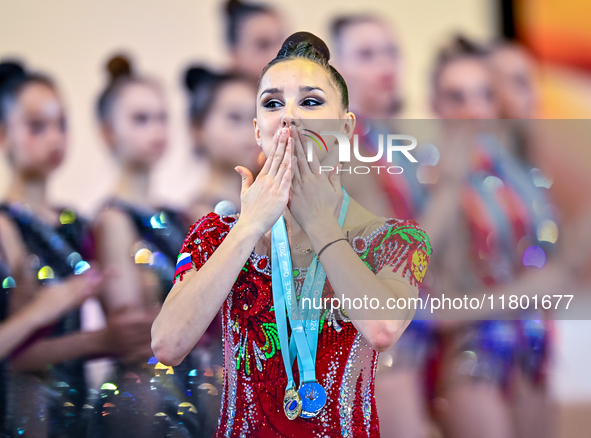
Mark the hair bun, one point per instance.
(232, 6)
(198, 75)
(10, 70)
(302, 41)
(119, 66)
(462, 44)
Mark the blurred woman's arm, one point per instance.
(49, 304)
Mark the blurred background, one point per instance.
(73, 40)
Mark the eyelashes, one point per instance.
(308, 102)
(314, 101)
(272, 104)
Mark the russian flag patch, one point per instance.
(183, 263)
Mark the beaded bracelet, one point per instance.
(330, 243)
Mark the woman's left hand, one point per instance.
(316, 196)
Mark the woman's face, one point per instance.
(35, 134)
(299, 89)
(369, 59)
(259, 39)
(514, 72)
(137, 130)
(227, 129)
(465, 90)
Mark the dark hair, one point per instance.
(309, 46)
(460, 47)
(236, 13)
(13, 80)
(338, 25)
(121, 75)
(203, 86)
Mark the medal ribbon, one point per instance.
(304, 340)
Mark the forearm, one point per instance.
(60, 349)
(442, 211)
(16, 330)
(189, 310)
(352, 279)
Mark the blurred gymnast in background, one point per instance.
(221, 111)
(41, 246)
(254, 33)
(48, 305)
(367, 53)
(141, 241)
(493, 380)
(514, 73)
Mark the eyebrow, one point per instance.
(307, 89)
(304, 89)
(270, 91)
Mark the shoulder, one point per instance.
(208, 231)
(111, 219)
(381, 229)
(11, 241)
(202, 240)
(400, 247)
(213, 222)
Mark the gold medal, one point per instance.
(292, 404)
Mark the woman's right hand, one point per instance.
(264, 199)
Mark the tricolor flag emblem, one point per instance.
(183, 263)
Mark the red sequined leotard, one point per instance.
(255, 379)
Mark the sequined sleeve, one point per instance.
(398, 249)
(202, 240)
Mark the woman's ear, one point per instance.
(349, 125)
(107, 135)
(257, 132)
(197, 137)
(434, 105)
(2, 137)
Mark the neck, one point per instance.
(28, 189)
(133, 185)
(295, 233)
(292, 225)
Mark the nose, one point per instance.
(289, 115)
(286, 120)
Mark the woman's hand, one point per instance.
(316, 198)
(264, 200)
(52, 302)
(127, 334)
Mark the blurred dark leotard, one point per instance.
(54, 398)
(151, 399)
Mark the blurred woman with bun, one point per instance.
(140, 241)
(44, 245)
(502, 241)
(254, 32)
(368, 54)
(221, 110)
(230, 263)
(515, 85)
